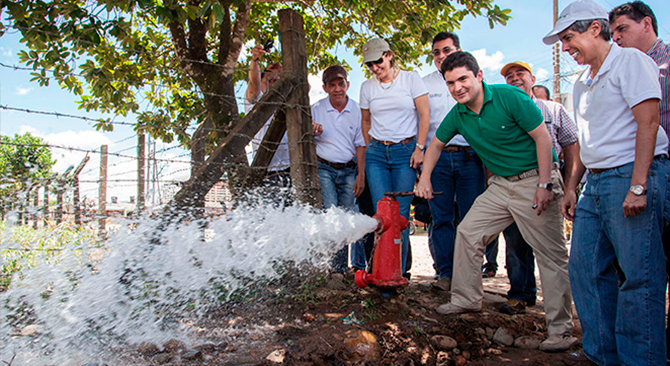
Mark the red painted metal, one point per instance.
(387, 257)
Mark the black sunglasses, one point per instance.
(378, 62)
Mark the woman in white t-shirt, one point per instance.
(395, 120)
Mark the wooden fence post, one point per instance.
(302, 149)
(102, 193)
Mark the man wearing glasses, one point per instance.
(459, 172)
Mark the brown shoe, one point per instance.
(577, 359)
(513, 307)
(443, 284)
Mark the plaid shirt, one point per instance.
(562, 128)
(660, 53)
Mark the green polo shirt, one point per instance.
(499, 133)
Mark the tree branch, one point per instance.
(237, 39)
(225, 38)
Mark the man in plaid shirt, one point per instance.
(634, 25)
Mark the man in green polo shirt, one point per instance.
(506, 130)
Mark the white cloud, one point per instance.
(541, 75)
(22, 91)
(6, 52)
(489, 62)
(316, 92)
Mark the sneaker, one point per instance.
(443, 284)
(558, 343)
(513, 307)
(450, 308)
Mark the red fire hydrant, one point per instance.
(387, 253)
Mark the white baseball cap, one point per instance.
(579, 10)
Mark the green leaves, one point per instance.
(160, 58)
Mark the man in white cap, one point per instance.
(340, 148)
(623, 207)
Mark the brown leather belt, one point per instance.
(409, 139)
(529, 173)
(454, 148)
(599, 170)
(338, 166)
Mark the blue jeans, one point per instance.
(520, 266)
(491, 255)
(337, 189)
(620, 325)
(460, 176)
(387, 169)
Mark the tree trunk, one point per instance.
(302, 149)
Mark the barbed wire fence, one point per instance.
(160, 172)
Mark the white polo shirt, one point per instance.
(341, 131)
(391, 105)
(441, 102)
(280, 160)
(606, 125)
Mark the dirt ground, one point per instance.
(327, 320)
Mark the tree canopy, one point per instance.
(176, 62)
(24, 161)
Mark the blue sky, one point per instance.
(519, 40)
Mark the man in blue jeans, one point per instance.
(519, 256)
(458, 173)
(340, 149)
(624, 205)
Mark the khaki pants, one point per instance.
(502, 203)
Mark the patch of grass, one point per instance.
(24, 247)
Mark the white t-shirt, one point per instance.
(280, 160)
(441, 102)
(341, 131)
(606, 125)
(391, 105)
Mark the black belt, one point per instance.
(454, 148)
(602, 170)
(349, 164)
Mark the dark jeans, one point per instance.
(520, 266)
(491, 255)
(460, 177)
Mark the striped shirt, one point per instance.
(562, 128)
(660, 53)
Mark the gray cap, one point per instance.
(579, 10)
(374, 49)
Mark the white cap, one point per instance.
(579, 10)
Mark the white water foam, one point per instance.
(133, 290)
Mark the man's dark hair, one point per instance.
(272, 68)
(636, 10)
(460, 59)
(445, 35)
(581, 26)
(546, 90)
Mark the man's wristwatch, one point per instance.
(638, 190)
(548, 186)
(421, 147)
